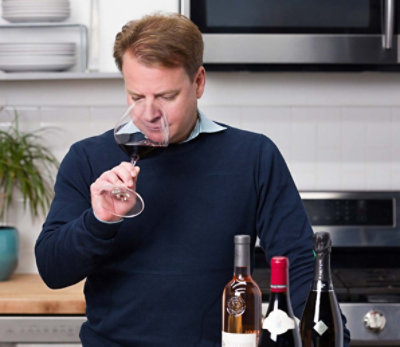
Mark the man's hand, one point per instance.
(103, 203)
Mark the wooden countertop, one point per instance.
(28, 294)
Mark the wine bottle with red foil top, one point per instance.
(321, 322)
(241, 301)
(279, 327)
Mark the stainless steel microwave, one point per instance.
(298, 35)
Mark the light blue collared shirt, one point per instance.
(203, 125)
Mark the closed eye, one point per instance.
(169, 96)
(136, 98)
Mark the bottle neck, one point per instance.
(242, 260)
(322, 272)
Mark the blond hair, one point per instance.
(161, 40)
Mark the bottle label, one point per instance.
(236, 306)
(277, 323)
(239, 340)
(320, 327)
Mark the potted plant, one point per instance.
(27, 166)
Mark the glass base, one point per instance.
(124, 202)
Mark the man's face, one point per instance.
(169, 87)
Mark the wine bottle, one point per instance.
(279, 328)
(321, 322)
(241, 301)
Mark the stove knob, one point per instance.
(374, 321)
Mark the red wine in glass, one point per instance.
(137, 146)
(139, 131)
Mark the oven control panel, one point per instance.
(44, 329)
(355, 218)
(350, 212)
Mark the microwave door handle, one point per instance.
(387, 39)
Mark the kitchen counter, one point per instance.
(28, 294)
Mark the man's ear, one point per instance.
(200, 80)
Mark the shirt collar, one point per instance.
(203, 125)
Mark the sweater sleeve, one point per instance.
(283, 226)
(72, 241)
(282, 223)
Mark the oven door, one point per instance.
(40, 330)
(268, 33)
(367, 285)
(365, 260)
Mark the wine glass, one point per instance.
(142, 129)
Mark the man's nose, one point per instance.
(152, 111)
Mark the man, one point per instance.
(157, 279)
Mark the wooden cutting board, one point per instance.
(28, 294)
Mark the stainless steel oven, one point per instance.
(40, 330)
(365, 260)
(297, 35)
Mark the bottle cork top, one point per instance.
(279, 272)
(242, 239)
(322, 242)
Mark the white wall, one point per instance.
(336, 130)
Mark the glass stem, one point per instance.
(134, 160)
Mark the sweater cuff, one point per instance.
(106, 222)
(99, 229)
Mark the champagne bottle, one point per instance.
(241, 301)
(321, 322)
(279, 327)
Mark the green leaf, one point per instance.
(28, 166)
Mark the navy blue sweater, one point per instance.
(157, 279)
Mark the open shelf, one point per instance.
(32, 76)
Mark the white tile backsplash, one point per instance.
(353, 177)
(224, 114)
(354, 135)
(304, 174)
(28, 118)
(304, 134)
(327, 147)
(104, 118)
(277, 128)
(28, 232)
(328, 172)
(395, 149)
(378, 176)
(329, 127)
(395, 133)
(335, 131)
(65, 125)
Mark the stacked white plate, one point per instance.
(35, 10)
(47, 56)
